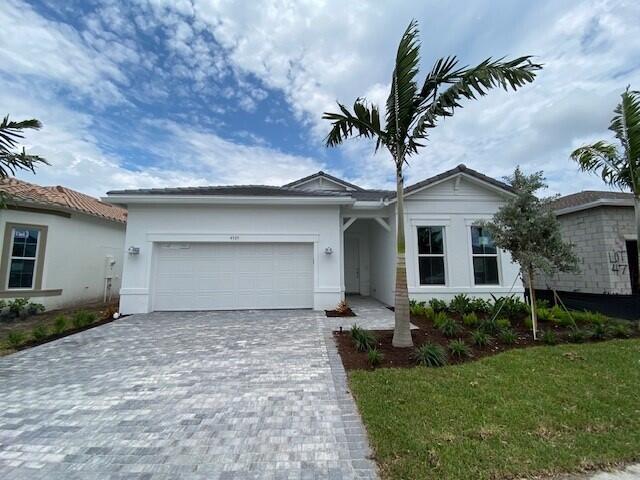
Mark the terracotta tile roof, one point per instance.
(61, 197)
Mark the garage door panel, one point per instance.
(229, 276)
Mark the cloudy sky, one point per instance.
(190, 92)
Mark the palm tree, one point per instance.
(410, 113)
(10, 135)
(618, 167)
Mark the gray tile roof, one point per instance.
(289, 190)
(232, 190)
(586, 197)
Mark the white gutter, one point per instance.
(603, 202)
(369, 205)
(121, 199)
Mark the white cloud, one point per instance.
(31, 46)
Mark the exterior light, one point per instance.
(134, 250)
(328, 251)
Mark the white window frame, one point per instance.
(443, 255)
(474, 255)
(34, 258)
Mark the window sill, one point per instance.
(30, 293)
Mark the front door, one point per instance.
(351, 265)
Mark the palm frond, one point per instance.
(603, 158)
(626, 126)
(363, 122)
(466, 83)
(401, 102)
(10, 163)
(11, 132)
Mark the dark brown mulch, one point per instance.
(426, 332)
(345, 313)
(66, 333)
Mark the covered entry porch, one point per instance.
(369, 246)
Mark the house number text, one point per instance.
(234, 237)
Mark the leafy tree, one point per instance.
(12, 159)
(527, 227)
(619, 167)
(411, 111)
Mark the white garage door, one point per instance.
(233, 276)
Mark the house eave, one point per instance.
(223, 200)
(603, 202)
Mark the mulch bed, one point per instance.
(426, 332)
(66, 333)
(335, 313)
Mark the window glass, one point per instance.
(431, 255)
(431, 270)
(23, 255)
(481, 241)
(430, 240)
(485, 257)
(485, 270)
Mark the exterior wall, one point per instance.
(456, 204)
(75, 256)
(599, 236)
(382, 248)
(227, 223)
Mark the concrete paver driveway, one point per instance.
(183, 395)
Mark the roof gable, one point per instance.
(322, 176)
(587, 199)
(460, 171)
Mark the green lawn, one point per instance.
(531, 411)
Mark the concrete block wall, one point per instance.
(598, 236)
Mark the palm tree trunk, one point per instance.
(532, 298)
(402, 331)
(637, 210)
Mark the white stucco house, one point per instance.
(59, 247)
(308, 243)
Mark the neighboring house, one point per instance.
(59, 247)
(307, 243)
(601, 226)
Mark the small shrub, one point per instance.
(461, 304)
(449, 328)
(621, 330)
(439, 318)
(480, 338)
(430, 355)
(510, 307)
(459, 349)
(60, 324)
(544, 315)
(561, 316)
(15, 338)
(438, 305)
(362, 339)
(374, 357)
(35, 308)
(503, 323)
(600, 331)
(421, 309)
(591, 318)
(507, 336)
(17, 306)
(577, 335)
(489, 326)
(83, 318)
(480, 305)
(542, 303)
(549, 337)
(470, 319)
(39, 333)
(528, 322)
